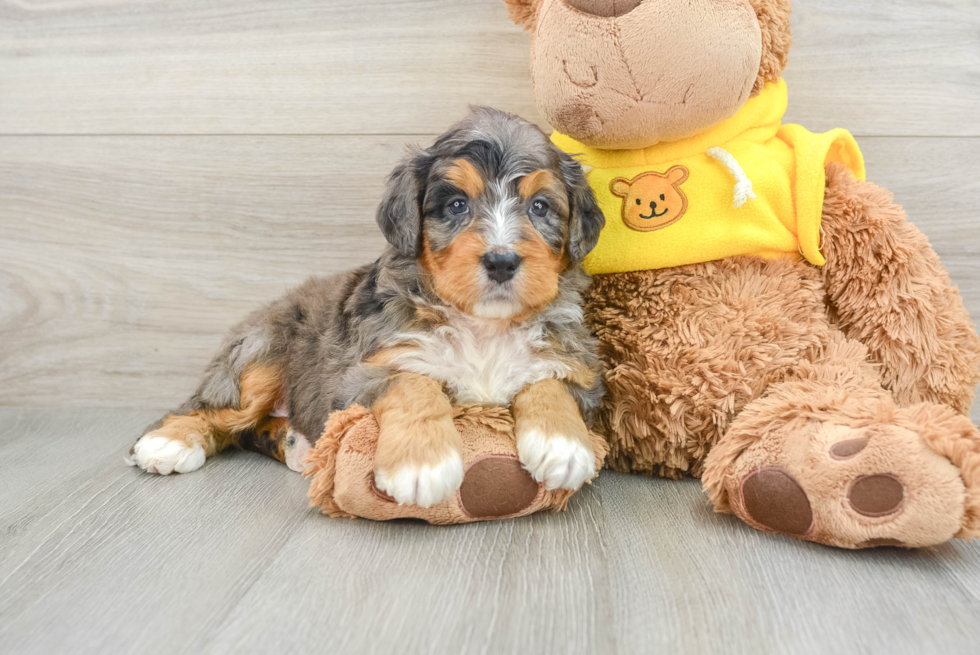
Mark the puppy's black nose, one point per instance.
(501, 268)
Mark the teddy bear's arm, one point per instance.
(888, 289)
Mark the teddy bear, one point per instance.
(495, 485)
(770, 321)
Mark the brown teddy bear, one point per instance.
(770, 321)
(495, 485)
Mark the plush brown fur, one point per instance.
(724, 368)
(687, 348)
(823, 403)
(774, 21)
(600, 88)
(793, 429)
(888, 289)
(340, 469)
(524, 12)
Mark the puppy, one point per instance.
(476, 300)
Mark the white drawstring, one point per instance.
(743, 185)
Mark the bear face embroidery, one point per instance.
(652, 201)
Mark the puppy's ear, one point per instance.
(524, 12)
(584, 216)
(399, 215)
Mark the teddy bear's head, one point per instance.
(633, 73)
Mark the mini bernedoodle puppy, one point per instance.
(477, 299)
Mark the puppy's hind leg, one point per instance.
(242, 386)
(183, 441)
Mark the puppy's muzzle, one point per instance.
(501, 267)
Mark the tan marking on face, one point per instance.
(415, 419)
(454, 270)
(538, 274)
(464, 176)
(544, 180)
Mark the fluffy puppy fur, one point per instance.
(476, 300)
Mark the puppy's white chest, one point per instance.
(479, 364)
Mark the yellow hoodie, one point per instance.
(748, 186)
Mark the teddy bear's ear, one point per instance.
(523, 12)
(620, 187)
(776, 39)
(677, 175)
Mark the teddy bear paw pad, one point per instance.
(774, 499)
(497, 486)
(848, 448)
(875, 543)
(876, 495)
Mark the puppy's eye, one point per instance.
(458, 207)
(539, 208)
(638, 201)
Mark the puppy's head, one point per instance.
(494, 213)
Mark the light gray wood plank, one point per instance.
(196, 563)
(234, 66)
(96, 557)
(688, 580)
(896, 67)
(537, 584)
(394, 66)
(128, 258)
(125, 259)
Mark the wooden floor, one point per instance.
(166, 166)
(97, 558)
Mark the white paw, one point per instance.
(158, 454)
(559, 462)
(424, 485)
(297, 448)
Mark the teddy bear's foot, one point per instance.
(908, 477)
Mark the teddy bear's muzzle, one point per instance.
(604, 8)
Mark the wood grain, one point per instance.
(203, 158)
(901, 67)
(248, 66)
(96, 557)
(904, 67)
(125, 259)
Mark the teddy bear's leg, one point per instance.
(828, 456)
(888, 290)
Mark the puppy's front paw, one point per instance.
(424, 485)
(556, 460)
(160, 454)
